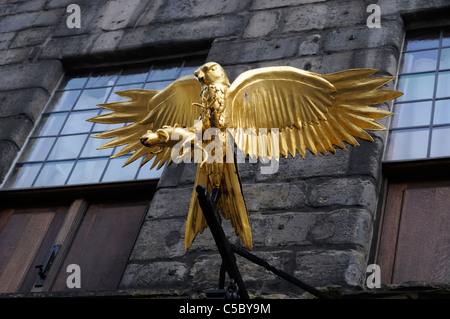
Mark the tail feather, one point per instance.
(231, 204)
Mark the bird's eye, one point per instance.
(213, 68)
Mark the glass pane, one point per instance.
(407, 144)
(146, 173)
(157, 85)
(422, 39)
(115, 97)
(415, 87)
(64, 101)
(188, 70)
(90, 98)
(440, 145)
(54, 174)
(443, 85)
(37, 149)
(90, 149)
(99, 79)
(50, 124)
(134, 75)
(74, 81)
(446, 39)
(445, 59)
(412, 114)
(442, 112)
(169, 72)
(23, 176)
(77, 122)
(419, 61)
(115, 171)
(68, 147)
(88, 171)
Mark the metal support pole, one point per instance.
(209, 210)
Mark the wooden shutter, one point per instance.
(415, 235)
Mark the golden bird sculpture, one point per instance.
(267, 112)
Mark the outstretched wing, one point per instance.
(311, 111)
(149, 110)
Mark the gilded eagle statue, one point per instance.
(305, 110)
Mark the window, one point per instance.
(92, 221)
(414, 237)
(60, 150)
(420, 128)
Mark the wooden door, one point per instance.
(415, 235)
(97, 237)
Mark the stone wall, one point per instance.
(315, 217)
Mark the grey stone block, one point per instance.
(268, 4)
(232, 52)
(324, 15)
(154, 275)
(118, 14)
(160, 238)
(6, 39)
(181, 32)
(42, 74)
(14, 56)
(89, 14)
(366, 159)
(30, 37)
(8, 152)
(73, 47)
(105, 42)
(362, 37)
(344, 226)
(183, 10)
(333, 267)
(26, 101)
(170, 202)
(15, 129)
(298, 168)
(262, 23)
(275, 196)
(344, 191)
(26, 20)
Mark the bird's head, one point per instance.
(210, 73)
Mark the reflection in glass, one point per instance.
(90, 149)
(37, 149)
(417, 86)
(441, 112)
(419, 61)
(23, 176)
(102, 79)
(74, 82)
(50, 124)
(160, 74)
(53, 174)
(115, 97)
(440, 145)
(134, 75)
(445, 59)
(67, 147)
(411, 114)
(115, 171)
(88, 171)
(76, 123)
(443, 85)
(407, 144)
(422, 39)
(146, 173)
(90, 98)
(64, 101)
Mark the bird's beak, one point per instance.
(200, 75)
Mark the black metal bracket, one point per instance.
(237, 288)
(45, 267)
